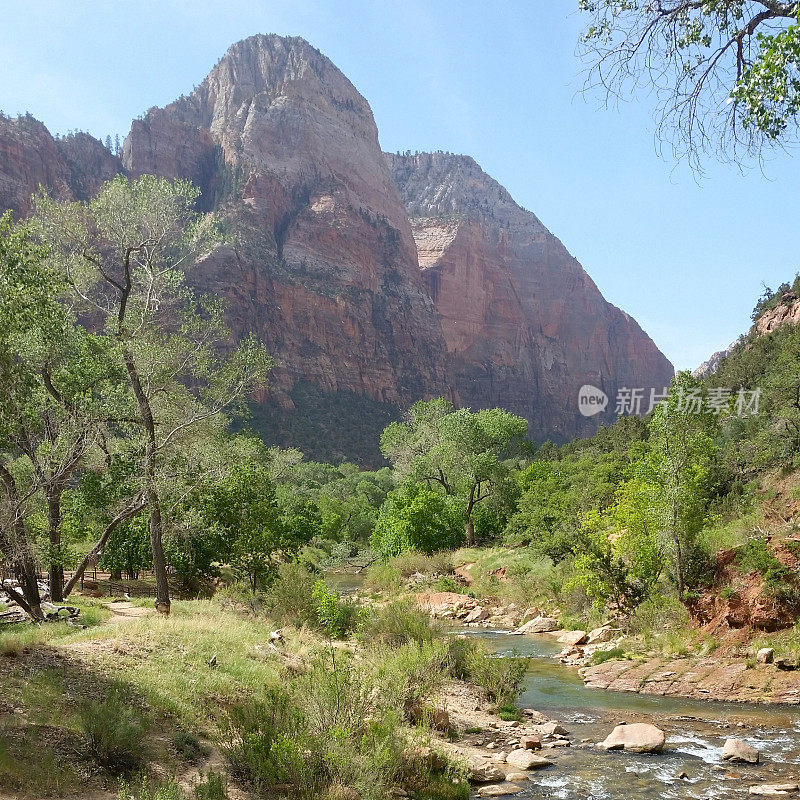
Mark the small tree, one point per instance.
(465, 453)
(415, 517)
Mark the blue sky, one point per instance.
(499, 81)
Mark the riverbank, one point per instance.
(685, 658)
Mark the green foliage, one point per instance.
(144, 789)
(397, 624)
(464, 454)
(416, 518)
(337, 617)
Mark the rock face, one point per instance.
(640, 737)
(374, 280)
(525, 326)
(325, 268)
(70, 168)
(29, 157)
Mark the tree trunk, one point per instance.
(470, 532)
(469, 529)
(54, 523)
(151, 489)
(679, 567)
(125, 514)
(23, 564)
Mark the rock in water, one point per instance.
(739, 752)
(774, 789)
(525, 759)
(640, 737)
(539, 625)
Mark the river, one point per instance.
(696, 731)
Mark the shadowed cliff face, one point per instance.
(525, 326)
(374, 280)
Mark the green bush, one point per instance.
(397, 624)
(212, 786)
(601, 656)
(143, 789)
(188, 746)
(115, 731)
(335, 616)
(499, 678)
(265, 742)
(289, 600)
(414, 517)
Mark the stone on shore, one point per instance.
(639, 737)
(530, 743)
(524, 759)
(765, 655)
(499, 790)
(739, 752)
(572, 638)
(484, 772)
(605, 633)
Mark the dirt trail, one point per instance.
(123, 611)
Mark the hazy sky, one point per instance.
(499, 81)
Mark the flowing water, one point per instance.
(696, 731)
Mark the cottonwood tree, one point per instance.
(725, 74)
(125, 255)
(677, 467)
(58, 390)
(464, 453)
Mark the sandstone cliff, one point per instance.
(368, 300)
(69, 168)
(324, 266)
(525, 326)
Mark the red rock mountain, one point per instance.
(374, 280)
(525, 326)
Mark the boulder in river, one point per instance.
(539, 625)
(774, 789)
(739, 752)
(639, 737)
(525, 759)
(551, 729)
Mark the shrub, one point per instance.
(289, 599)
(265, 744)
(144, 790)
(499, 678)
(212, 786)
(601, 656)
(397, 624)
(383, 576)
(115, 731)
(335, 616)
(414, 517)
(188, 746)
